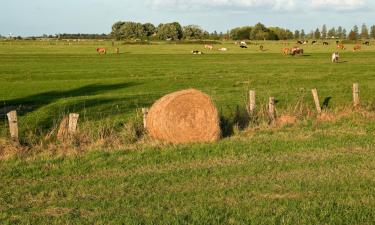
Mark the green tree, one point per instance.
(193, 32)
(372, 31)
(339, 32)
(116, 30)
(240, 33)
(150, 29)
(303, 35)
(344, 34)
(171, 31)
(356, 32)
(324, 32)
(364, 32)
(332, 33)
(277, 33)
(317, 34)
(297, 34)
(352, 35)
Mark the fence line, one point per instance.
(73, 117)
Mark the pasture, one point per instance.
(310, 172)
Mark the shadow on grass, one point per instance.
(34, 102)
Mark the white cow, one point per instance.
(335, 57)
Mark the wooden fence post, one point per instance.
(13, 125)
(73, 122)
(316, 100)
(272, 109)
(252, 101)
(145, 113)
(356, 101)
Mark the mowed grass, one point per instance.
(312, 172)
(48, 79)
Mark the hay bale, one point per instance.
(184, 117)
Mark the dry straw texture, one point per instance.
(184, 117)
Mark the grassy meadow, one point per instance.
(310, 171)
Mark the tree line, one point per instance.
(174, 31)
(337, 33)
(168, 31)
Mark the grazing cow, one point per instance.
(341, 46)
(306, 42)
(299, 42)
(243, 43)
(335, 57)
(297, 51)
(357, 48)
(313, 42)
(261, 47)
(209, 47)
(196, 52)
(337, 42)
(223, 49)
(325, 43)
(286, 51)
(367, 43)
(101, 51)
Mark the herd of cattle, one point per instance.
(296, 50)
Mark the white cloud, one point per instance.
(338, 4)
(182, 4)
(304, 5)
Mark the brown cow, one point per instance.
(101, 51)
(286, 51)
(297, 51)
(357, 48)
(341, 46)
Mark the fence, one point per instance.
(72, 122)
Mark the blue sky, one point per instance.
(36, 17)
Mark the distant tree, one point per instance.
(277, 33)
(171, 31)
(356, 32)
(241, 33)
(214, 35)
(324, 32)
(179, 29)
(193, 32)
(116, 30)
(150, 29)
(353, 35)
(364, 32)
(317, 34)
(297, 34)
(339, 32)
(344, 34)
(259, 32)
(303, 35)
(332, 33)
(372, 31)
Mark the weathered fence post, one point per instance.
(73, 122)
(145, 113)
(13, 125)
(252, 101)
(272, 109)
(356, 101)
(316, 100)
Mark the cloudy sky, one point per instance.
(35, 17)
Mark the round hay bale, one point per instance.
(184, 117)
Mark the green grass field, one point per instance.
(310, 172)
